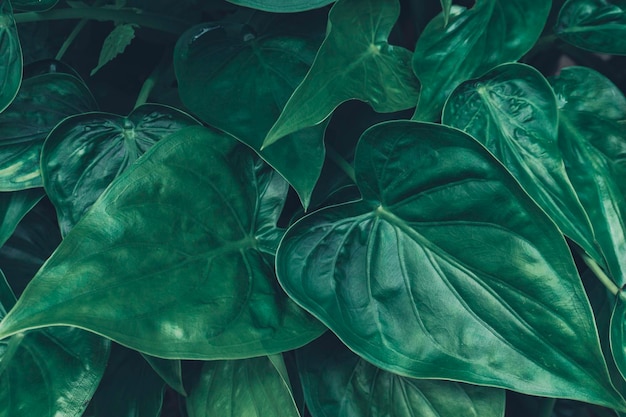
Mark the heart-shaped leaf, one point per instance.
(242, 388)
(220, 66)
(34, 5)
(42, 102)
(282, 6)
(13, 207)
(84, 153)
(595, 25)
(191, 226)
(337, 383)
(355, 61)
(11, 52)
(425, 276)
(472, 42)
(513, 112)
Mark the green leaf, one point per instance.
(595, 25)
(169, 370)
(617, 335)
(48, 373)
(472, 42)
(242, 388)
(592, 139)
(446, 5)
(13, 207)
(513, 112)
(34, 5)
(355, 61)
(447, 270)
(43, 101)
(191, 226)
(114, 44)
(219, 66)
(129, 387)
(282, 6)
(85, 152)
(338, 383)
(11, 52)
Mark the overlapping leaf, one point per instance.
(84, 153)
(238, 77)
(191, 227)
(338, 383)
(241, 388)
(596, 25)
(472, 42)
(446, 269)
(282, 6)
(512, 111)
(13, 207)
(355, 61)
(42, 102)
(11, 52)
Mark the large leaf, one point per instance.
(472, 42)
(42, 102)
(282, 6)
(595, 25)
(13, 207)
(446, 269)
(191, 228)
(11, 52)
(238, 77)
(355, 61)
(338, 383)
(242, 388)
(49, 372)
(84, 153)
(513, 112)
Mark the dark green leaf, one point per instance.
(472, 42)
(238, 78)
(169, 370)
(242, 388)
(282, 6)
(129, 387)
(355, 61)
(338, 383)
(84, 153)
(13, 207)
(191, 227)
(618, 335)
(11, 52)
(595, 25)
(42, 102)
(446, 5)
(34, 5)
(114, 44)
(513, 112)
(447, 270)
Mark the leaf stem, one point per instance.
(150, 82)
(341, 162)
(600, 274)
(150, 20)
(546, 407)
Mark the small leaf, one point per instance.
(337, 383)
(13, 207)
(243, 388)
(169, 370)
(595, 25)
(446, 5)
(282, 6)
(513, 112)
(219, 66)
(191, 227)
(354, 62)
(34, 5)
(471, 43)
(85, 152)
(115, 44)
(11, 52)
(447, 270)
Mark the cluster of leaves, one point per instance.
(325, 208)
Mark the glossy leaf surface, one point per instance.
(513, 112)
(13, 207)
(282, 6)
(595, 25)
(425, 276)
(11, 51)
(338, 383)
(472, 42)
(42, 102)
(34, 5)
(355, 61)
(49, 372)
(84, 153)
(241, 388)
(195, 222)
(219, 66)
